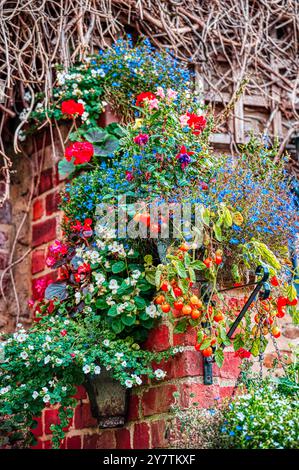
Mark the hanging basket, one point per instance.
(108, 400)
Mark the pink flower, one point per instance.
(129, 175)
(184, 120)
(171, 94)
(141, 139)
(50, 261)
(153, 104)
(160, 92)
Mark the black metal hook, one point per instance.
(262, 289)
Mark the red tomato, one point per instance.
(186, 310)
(164, 286)
(276, 332)
(165, 308)
(207, 352)
(292, 302)
(178, 305)
(195, 314)
(218, 260)
(218, 317)
(208, 262)
(177, 291)
(197, 346)
(159, 300)
(184, 247)
(274, 281)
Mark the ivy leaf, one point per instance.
(219, 357)
(95, 135)
(118, 267)
(56, 290)
(181, 326)
(109, 147)
(65, 168)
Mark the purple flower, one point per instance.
(141, 139)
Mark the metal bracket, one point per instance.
(262, 288)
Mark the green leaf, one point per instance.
(112, 312)
(128, 320)
(238, 342)
(140, 303)
(180, 268)
(206, 343)
(101, 303)
(217, 232)
(181, 326)
(255, 349)
(65, 168)
(227, 217)
(118, 267)
(291, 292)
(150, 276)
(219, 357)
(198, 265)
(117, 325)
(206, 216)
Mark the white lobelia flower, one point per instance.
(152, 311)
(21, 338)
(86, 369)
(119, 356)
(136, 274)
(26, 406)
(113, 285)
(45, 389)
(30, 347)
(106, 342)
(24, 355)
(58, 361)
(48, 339)
(35, 395)
(84, 116)
(47, 359)
(64, 389)
(77, 297)
(160, 374)
(46, 399)
(129, 383)
(97, 370)
(124, 364)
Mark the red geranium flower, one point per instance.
(71, 107)
(197, 123)
(81, 151)
(146, 95)
(84, 268)
(242, 353)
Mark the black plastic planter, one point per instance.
(108, 400)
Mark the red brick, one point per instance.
(46, 181)
(51, 417)
(158, 339)
(158, 399)
(225, 391)
(187, 364)
(158, 433)
(38, 430)
(38, 209)
(44, 232)
(83, 417)
(104, 440)
(81, 393)
(133, 412)
(38, 261)
(47, 445)
(40, 284)
(230, 368)
(122, 439)
(141, 436)
(73, 442)
(108, 117)
(52, 201)
(185, 339)
(204, 395)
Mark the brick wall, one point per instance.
(149, 417)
